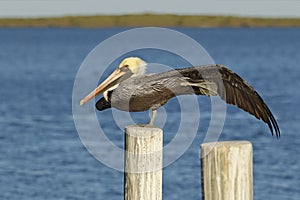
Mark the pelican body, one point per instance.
(129, 89)
(150, 91)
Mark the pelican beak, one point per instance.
(109, 82)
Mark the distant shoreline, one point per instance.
(149, 20)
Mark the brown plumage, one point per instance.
(150, 91)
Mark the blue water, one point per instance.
(42, 157)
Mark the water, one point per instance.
(42, 157)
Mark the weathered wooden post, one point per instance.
(227, 170)
(143, 163)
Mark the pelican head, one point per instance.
(136, 65)
(129, 67)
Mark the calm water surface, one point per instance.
(42, 157)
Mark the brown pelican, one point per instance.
(129, 89)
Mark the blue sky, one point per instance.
(39, 8)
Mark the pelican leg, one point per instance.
(153, 116)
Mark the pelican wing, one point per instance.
(217, 79)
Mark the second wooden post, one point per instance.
(227, 170)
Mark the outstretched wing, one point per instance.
(219, 80)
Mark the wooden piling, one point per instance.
(227, 170)
(143, 163)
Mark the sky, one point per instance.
(254, 8)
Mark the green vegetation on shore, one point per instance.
(149, 20)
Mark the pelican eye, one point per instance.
(124, 68)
